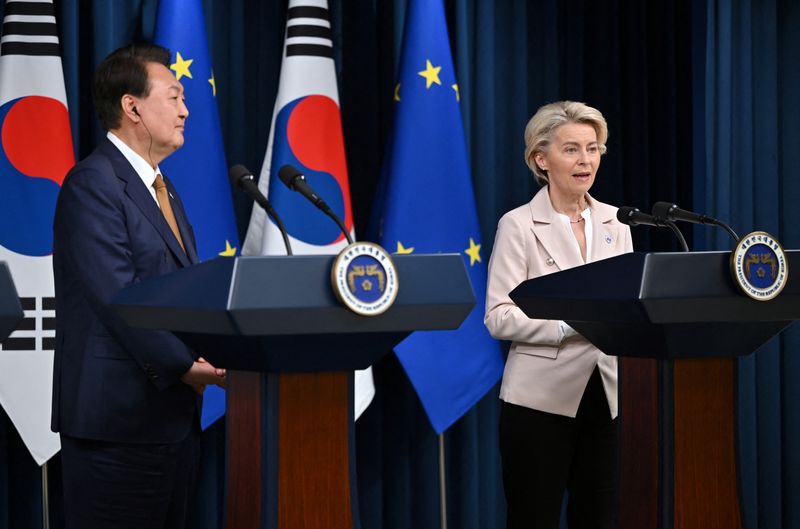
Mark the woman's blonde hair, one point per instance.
(541, 127)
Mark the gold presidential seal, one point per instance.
(364, 279)
(759, 266)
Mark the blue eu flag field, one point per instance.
(198, 169)
(427, 205)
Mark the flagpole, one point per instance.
(442, 484)
(45, 498)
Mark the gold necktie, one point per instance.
(162, 195)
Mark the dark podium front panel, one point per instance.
(10, 310)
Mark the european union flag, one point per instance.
(198, 169)
(428, 206)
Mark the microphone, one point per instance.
(670, 211)
(242, 178)
(633, 217)
(295, 181)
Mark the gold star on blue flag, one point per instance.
(199, 169)
(474, 252)
(426, 203)
(181, 66)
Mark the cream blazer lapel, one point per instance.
(554, 236)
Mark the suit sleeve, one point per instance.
(508, 267)
(93, 235)
(628, 240)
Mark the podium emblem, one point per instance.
(364, 279)
(759, 266)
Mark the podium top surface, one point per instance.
(658, 288)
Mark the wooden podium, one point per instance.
(679, 322)
(290, 348)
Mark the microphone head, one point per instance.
(663, 210)
(625, 213)
(288, 174)
(238, 174)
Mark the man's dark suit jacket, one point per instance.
(112, 382)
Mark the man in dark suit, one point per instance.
(125, 401)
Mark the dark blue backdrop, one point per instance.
(699, 100)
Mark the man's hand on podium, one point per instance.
(201, 374)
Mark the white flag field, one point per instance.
(35, 155)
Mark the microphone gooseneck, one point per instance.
(681, 239)
(294, 180)
(242, 178)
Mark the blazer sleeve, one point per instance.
(95, 241)
(628, 239)
(508, 267)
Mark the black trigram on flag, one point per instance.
(39, 324)
(308, 32)
(29, 28)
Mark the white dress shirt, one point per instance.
(140, 165)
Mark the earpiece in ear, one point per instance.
(135, 111)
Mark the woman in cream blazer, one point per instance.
(558, 426)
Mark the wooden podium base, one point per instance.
(245, 423)
(639, 468)
(289, 451)
(695, 484)
(290, 461)
(706, 485)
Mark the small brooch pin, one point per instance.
(608, 239)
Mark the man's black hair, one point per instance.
(124, 72)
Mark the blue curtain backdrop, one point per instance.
(698, 99)
(750, 117)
